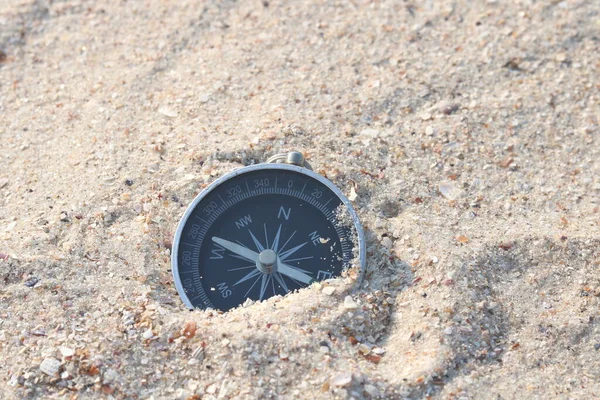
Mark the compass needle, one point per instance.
(237, 249)
(293, 273)
(259, 232)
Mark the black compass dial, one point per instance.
(258, 234)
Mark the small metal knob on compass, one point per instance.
(293, 158)
(267, 260)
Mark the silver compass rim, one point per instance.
(362, 256)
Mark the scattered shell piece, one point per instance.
(372, 391)
(3, 183)
(110, 376)
(371, 133)
(148, 334)
(212, 388)
(324, 349)
(387, 243)
(50, 366)
(449, 190)
(190, 329)
(342, 379)
(66, 351)
(349, 303)
(353, 194)
(168, 112)
(379, 351)
(328, 290)
(462, 239)
(364, 349)
(199, 353)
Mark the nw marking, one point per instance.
(286, 215)
(244, 221)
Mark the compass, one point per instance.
(264, 230)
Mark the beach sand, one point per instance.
(469, 130)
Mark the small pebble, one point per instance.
(31, 282)
(328, 290)
(148, 334)
(342, 379)
(364, 349)
(349, 303)
(66, 351)
(168, 112)
(372, 391)
(50, 366)
(449, 190)
(387, 243)
(379, 351)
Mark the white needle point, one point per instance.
(293, 273)
(237, 249)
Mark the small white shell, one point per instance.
(350, 304)
(449, 190)
(50, 366)
(341, 379)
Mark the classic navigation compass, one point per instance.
(263, 230)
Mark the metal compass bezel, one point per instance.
(362, 256)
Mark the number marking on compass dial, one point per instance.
(261, 231)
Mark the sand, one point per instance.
(470, 130)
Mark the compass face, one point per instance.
(261, 231)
